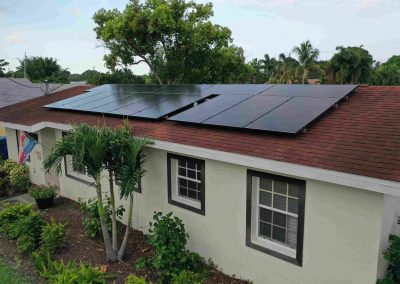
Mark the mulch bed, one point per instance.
(81, 248)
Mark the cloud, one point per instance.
(15, 38)
(271, 3)
(376, 7)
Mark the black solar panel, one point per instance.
(276, 108)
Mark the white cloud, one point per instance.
(15, 38)
(73, 11)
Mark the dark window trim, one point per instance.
(72, 176)
(300, 229)
(202, 209)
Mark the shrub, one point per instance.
(43, 191)
(133, 279)
(5, 188)
(58, 272)
(53, 237)
(26, 244)
(188, 277)
(18, 175)
(392, 255)
(168, 236)
(11, 214)
(91, 219)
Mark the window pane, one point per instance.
(182, 182)
(266, 183)
(292, 223)
(192, 194)
(279, 219)
(293, 190)
(280, 202)
(182, 191)
(265, 198)
(293, 205)
(199, 195)
(192, 184)
(182, 171)
(279, 234)
(199, 175)
(192, 174)
(265, 215)
(191, 165)
(265, 230)
(280, 187)
(182, 163)
(292, 239)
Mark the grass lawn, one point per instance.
(9, 275)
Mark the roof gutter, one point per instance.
(278, 167)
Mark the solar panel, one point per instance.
(276, 108)
(293, 115)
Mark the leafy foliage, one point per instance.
(133, 279)
(392, 255)
(40, 69)
(52, 237)
(387, 73)
(167, 234)
(91, 220)
(14, 176)
(188, 277)
(43, 191)
(123, 76)
(176, 39)
(70, 273)
(3, 65)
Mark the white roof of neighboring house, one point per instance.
(15, 90)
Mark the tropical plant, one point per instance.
(43, 191)
(133, 279)
(15, 176)
(307, 55)
(3, 65)
(387, 73)
(188, 277)
(130, 172)
(88, 146)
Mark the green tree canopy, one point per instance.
(351, 65)
(175, 38)
(123, 76)
(307, 56)
(387, 73)
(3, 65)
(40, 69)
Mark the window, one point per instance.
(186, 183)
(71, 170)
(275, 215)
(30, 135)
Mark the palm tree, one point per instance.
(88, 147)
(307, 56)
(129, 175)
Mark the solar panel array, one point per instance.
(276, 108)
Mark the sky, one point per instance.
(64, 29)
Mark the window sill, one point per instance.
(200, 211)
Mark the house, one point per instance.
(316, 206)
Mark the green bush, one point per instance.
(392, 255)
(18, 176)
(19, 222)
(70, 273)
(133, 279)
(53, 237)
(168, 236)
(5, 187)
(91, 219)
(188, 277)
(43, 191)
(386, 280)
(26, 244)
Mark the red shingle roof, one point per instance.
(361, 137)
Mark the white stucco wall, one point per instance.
(342, 231)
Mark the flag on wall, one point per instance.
(26, 146)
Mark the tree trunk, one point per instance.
(124, 244)
(111, 255)
(113, 214)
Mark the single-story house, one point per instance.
(315, 207)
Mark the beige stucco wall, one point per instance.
(342, 225)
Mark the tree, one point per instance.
(122, 76)
(351, 65)
(41, 69)
(307, 55)
(129, 174)
(174, 38)
(3, 65)
(285, 70)
(387, 73)
(88, 146)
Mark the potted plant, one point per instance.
(44, 195)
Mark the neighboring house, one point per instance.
(315, 207)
